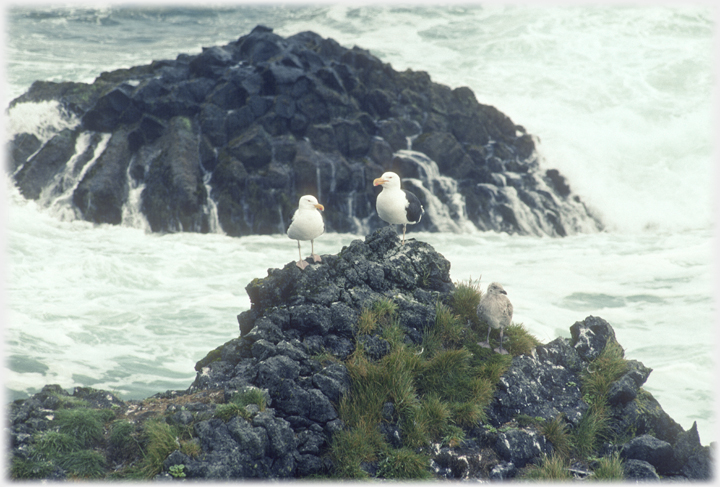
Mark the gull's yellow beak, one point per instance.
(379, 181)
(320, 207)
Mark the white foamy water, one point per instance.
(620, 98)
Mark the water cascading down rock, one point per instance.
(235, 135)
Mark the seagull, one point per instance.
(396, 205)
(307, 224)
(496, 310)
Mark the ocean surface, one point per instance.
(621, 99)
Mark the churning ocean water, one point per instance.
(620, 98)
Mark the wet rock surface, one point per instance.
(237, 133)
(292, 343)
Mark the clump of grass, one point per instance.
(120, 433)
(609, 469)
(379, 315)
(556, 431)
(448, 326)
(393, 333)
(191, 448)
(87, 464)
(161, 442)
(122, 438)
(520, 341)
(367, 323)
(384, 309)
(551, 468)
(454, 435)
(349, 448)
(464, 300)
(449, 331)
(435, 415)
(490, 365)
(404, 463)
(593, 428)
(608, 367)
(52, 444)
(85, 425)
(236, 406)
(228, 411)
(589, 430)
(451, 375)
(28, 468)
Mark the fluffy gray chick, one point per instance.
(496, 310)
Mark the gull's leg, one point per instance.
(403, 239)
(500, 349)
(300, 263)
(486, 343)
(315, 257)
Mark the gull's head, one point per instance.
(388, 180)
(496, 288)
(308, 202)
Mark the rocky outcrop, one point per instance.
(292, 349)
(239, 132)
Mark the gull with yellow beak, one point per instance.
(307, 224)
(396, 205)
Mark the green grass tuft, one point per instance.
(52, 444)
(367, 323)
(551, 468)
(252, 395)
(161, 442)
(594, 426)
(85, 425)
(28, 469)
(556, 431)
(520, 341)
(86, 464)
(464, 301)
(404, 464)
(229, 410)
(122, 438)
(609, 469)
(191, 448)
(351, 447)
(384, 309)
(236, 406)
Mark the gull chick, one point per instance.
(496, 310)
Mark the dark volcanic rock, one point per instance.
(590, 336)
(37, 173)
(174, 192)
(649, 449)
(639, 470)
(272, 118)
(543, 385)
(521, 447)
(103, 191)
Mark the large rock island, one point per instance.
(232, 137)
(366, 365)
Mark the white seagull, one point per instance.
(496, 310)
(396, 205)
(307, 224)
